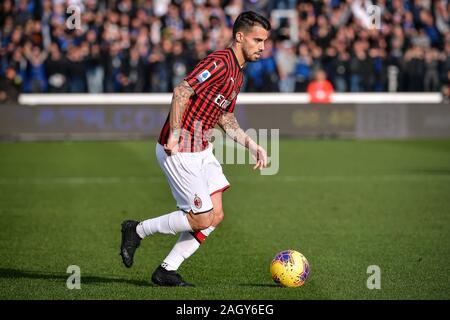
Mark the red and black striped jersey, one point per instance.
(216, 81)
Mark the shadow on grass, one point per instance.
(259, 285)
(27, 274)
(431, 171)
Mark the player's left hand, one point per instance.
(260, 156)
(171, 147)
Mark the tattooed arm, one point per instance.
(180, 98)
(229, 124)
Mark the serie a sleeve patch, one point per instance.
(204, 76)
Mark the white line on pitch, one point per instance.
(257, 179)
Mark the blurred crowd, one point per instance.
(150, 45)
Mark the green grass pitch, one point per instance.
(345, 205)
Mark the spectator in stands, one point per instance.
(444, 59)
(254, 77)
(431, 77)
(9, 86)
(94, 70)
(395, 66)
(24, 12)
(341, 67)
(335, 35)
(414, 69)
(19, 63)
(262, 75)
(446, 88)
(180, 64)
(131, 76)
(56, 69)
(270, 74)
(302, 68)
(35, 74)
(378, 64)
(320, 90)
(77, 69)
(360, 68)
(159, 70)
(286, 59)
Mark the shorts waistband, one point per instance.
(207, 150)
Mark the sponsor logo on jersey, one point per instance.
(221, 101)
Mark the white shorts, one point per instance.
(193, 177)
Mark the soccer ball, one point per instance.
(289, 268)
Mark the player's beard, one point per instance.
(252, 56)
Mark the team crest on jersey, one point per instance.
(204, 76)
(197, 202)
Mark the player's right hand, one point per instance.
(260, 156)
(171, 147)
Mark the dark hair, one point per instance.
(249, 19)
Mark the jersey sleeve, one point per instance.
(206, 73)
(230, 108)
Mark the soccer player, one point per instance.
(206, 97)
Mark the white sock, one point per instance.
(208, 230)
(186, 245)
(171, 223)
(183, 249)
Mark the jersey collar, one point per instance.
(236, 59)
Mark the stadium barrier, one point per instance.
(137, 116)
